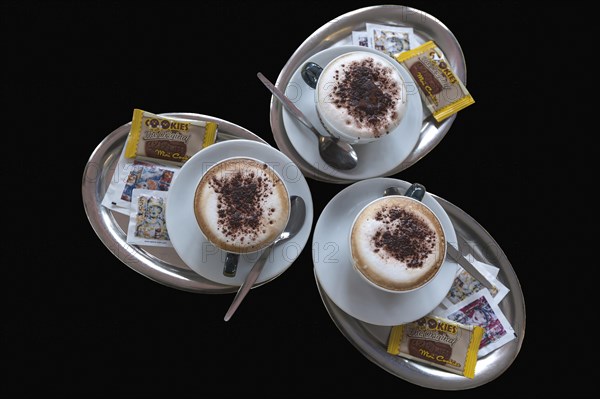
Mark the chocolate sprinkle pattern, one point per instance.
(404, 237)
(368, 93)
(240, 203)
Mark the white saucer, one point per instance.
(189, 242)
(333, 267)
(375, 159)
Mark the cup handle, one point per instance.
(310, 74)
(231, 262)
(416, 191)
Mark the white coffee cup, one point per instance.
(397, 244)
(360, 97)
(241, 205)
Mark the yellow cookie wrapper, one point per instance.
(440, 342)
(441, 89)
(171, 140)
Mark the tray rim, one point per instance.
(393, 364)
(329, 35)
(99, 164)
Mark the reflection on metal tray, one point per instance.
(371, 340)
(162, 265)
(338, 32)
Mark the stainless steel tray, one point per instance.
(339, 32)
(162, 265)
(371, 340)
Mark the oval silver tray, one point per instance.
(162, 265)
(371, 340)
(339, 32)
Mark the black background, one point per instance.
(77, 320)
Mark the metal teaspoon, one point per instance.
(334, 152)
(297, 216)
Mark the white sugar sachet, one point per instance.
(481, 310)
(391, 40)
(147, 221)
(360, 39)
(132, 174)
(465, 285)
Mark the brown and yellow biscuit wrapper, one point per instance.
(443, 92)
(167, 139)
(440, 342)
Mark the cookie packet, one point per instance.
(167, 139)
(147, 220)
(442, 91)
(439, 342)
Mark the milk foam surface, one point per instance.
(359, 104)
(241, 205)
(380, 264)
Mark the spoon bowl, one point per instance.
(337, 153)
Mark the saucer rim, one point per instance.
(447, 271)
(182, 247)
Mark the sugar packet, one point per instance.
(147, 221)
(130, 174)
(481, 310)
(360, 38)
(391, 40)
(465, 285)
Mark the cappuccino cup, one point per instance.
(360, 97)
(241, 205)
(397, 244)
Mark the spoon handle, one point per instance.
(248, 282)
(288, 104)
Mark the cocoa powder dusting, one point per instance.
(240, 211)
(404, 236)
(369, 94)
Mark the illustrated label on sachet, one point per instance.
(443, 92)
(167, 139)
